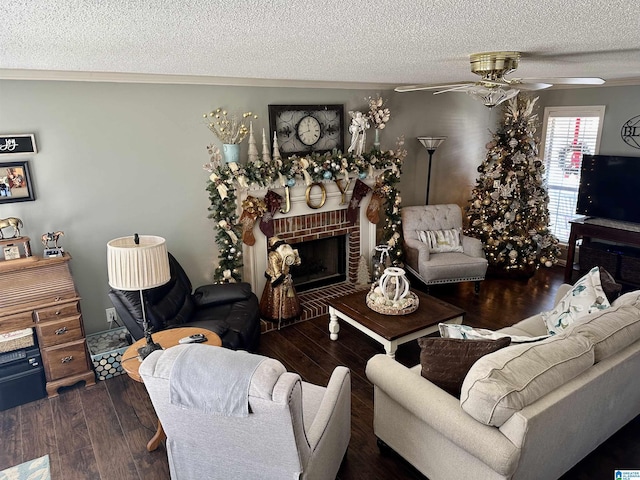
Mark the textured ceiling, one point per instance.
(362, 41)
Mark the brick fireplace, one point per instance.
(303, 223)
(315, 226)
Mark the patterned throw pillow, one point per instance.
(446, 361)
(441, 241)
(585, 297)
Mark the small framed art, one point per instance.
(11, 252)
(22, 144)
(15, 182)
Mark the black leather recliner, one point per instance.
(230, 310)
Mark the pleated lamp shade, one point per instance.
(139, 266)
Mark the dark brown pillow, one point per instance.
(446, 361)
(611, 288)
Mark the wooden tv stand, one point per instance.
(587, 228)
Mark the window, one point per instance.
(568, 133)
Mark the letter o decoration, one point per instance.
(322, 200)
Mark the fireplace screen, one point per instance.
(323, 262)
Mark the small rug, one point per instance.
(37, 469)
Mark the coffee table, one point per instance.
(391, 330)
(166, 338)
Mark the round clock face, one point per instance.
(309, 130)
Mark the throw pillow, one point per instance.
(449, 330)
(441, 241)
(585, 297)
(446, 361)
(609, 286)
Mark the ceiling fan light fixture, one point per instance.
(492, 96)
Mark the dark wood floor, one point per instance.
(101, 432)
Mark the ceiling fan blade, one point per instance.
(414, 88)
(459, 88)
(530, 86)
(567, 80)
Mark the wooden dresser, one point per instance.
(39, 292)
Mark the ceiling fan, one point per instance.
(493, 88)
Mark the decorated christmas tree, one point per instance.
(509, 210)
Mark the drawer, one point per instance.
(17, 321)
(56, 332)
(65, 360)
(57, 311)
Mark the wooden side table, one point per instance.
(167, 339)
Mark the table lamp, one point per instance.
(139, 263)
(430, 143)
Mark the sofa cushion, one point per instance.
(446, 361)
(441, 241)
(629, 298)
(585, 297)
(502, 383)
(532, 326)
(449, 330)
(609, 330)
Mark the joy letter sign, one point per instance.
(17, 144)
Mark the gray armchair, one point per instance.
(231, 414)
(469, 264)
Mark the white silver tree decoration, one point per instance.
(252, 155)
(276, 157)
(364, 276)
(266, 156)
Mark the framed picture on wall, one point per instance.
(303, 129)
(21, 144)
(15, 182)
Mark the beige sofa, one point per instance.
(594, 365)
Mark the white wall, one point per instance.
(115, 159)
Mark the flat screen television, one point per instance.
(610, 188)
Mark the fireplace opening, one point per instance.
(323, 262)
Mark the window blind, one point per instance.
(568, 135)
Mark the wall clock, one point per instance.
(302, 129)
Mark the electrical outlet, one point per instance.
(111, 315)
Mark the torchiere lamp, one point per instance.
(139, 263)
(430, 143)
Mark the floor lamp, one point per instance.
(430, 143)
(139, 263)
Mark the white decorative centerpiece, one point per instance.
(391, 295)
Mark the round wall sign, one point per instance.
(630, 132)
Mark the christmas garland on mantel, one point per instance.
(225, 179)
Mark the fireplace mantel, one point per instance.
(255, 257)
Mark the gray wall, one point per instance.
(118, 158)
(621, 104)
